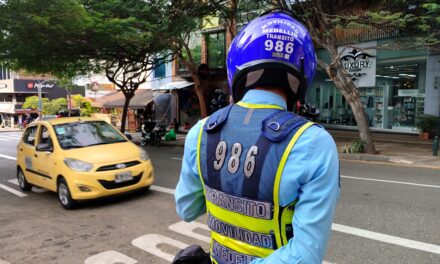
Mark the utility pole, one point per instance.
(40, 103)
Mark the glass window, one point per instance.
(29, 135)
(160, 69)
(401, 91)
(44, 137)
(84, 134)
(215, 43)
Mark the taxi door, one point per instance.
(25, 155)
(44, 157)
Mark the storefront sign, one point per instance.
(360, 63)
(408, 92)
(3, 86)
(40, 85)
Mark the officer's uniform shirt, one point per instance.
(311, 175)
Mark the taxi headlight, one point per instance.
(144, 155)
(78, 165)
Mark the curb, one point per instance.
(397, 160)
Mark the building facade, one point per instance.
(13, 93)
(396, 87)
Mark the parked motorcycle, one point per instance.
(152, 133)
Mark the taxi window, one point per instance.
(29, 135)
(85, 134)
(45, 136)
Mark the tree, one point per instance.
(323, 17)
(50, 107)
(184, 19)
(78, 36)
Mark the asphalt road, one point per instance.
(386, 214)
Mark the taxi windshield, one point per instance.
(85, 134)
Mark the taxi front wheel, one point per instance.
(64, 195)
(22, 182)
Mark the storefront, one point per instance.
(13, 93)
(396, 87)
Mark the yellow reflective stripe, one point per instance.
(241, 247)
(251, 105)
(199, 145)
(278, 178)
(244, 221)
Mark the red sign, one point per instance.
(30, 85)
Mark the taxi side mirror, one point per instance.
(44, 147)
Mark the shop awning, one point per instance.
(141, 99)
(174, 86)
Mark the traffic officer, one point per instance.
(268, 179)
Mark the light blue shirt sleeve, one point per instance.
(190, 200)
(311, 175)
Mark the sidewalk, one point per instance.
(392, 148)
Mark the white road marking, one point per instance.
(13, 191)
(176, 158)
(397, 182)
(109, 257)
(387, 238)
(150, 242)
(187, 229)
(363, 233)
(9, 137)
(7, 157)
(34, 189)
(162, 189)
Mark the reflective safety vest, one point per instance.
(241, 153)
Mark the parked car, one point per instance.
(80, 159)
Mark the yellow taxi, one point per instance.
(80, 159)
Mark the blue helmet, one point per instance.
(273, 50)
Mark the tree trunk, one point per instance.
(125, 110)
(348, 89)
(200, 95)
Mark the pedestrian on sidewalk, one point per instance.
(267, 178)
(20, 122)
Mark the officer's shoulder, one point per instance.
(319, 132)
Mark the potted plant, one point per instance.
(427, 124)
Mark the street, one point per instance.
(386, 214)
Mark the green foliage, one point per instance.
(427, 123)
(356, 147)
(50, 107)
(31, 102)
(83, 104)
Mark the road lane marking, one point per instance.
(187, 229)
(378, 236)
(150, 242)
(9, 137)
(387, 238)
(34, 189)
(7, 157)
(162, 189)
(13, 191)
(397, 182)
(109, 257)
(176, 158)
